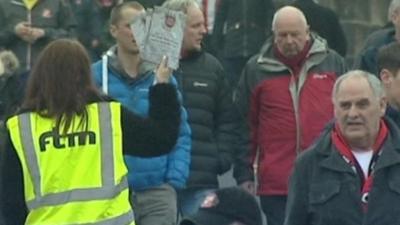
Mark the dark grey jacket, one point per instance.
(324, 190)
(367, 59)
(54, 16)
(241, 26)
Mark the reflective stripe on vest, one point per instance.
(108, 189)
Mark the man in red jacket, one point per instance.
(285, 91)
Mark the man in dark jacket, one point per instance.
(325, 23)
(208, 100)
(350, 176)
(12, 84)
(26, 27)
(150, 3)
(285, 93)
(240, 28)
(89, 25)
(389, 73)
(368, 56)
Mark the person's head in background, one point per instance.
(60, 83)
(291, 31)
(9, 63)
(195, 29)
(121, 17)
(227, 206)
(393, 16)
(108, 4)
(389, 72)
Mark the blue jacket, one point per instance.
(133, 93)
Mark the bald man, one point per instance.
(285, 93)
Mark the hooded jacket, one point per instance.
(144, 173)
(286, 112)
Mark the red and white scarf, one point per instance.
(345, 150)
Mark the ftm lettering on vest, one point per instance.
(66, 140)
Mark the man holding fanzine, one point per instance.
(124, 76)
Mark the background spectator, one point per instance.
(89, 25)
(227, 206)
(12, 84)
(389, 69)
(325, 23)
(101, 26)
(285, 91)
(150, 3)
(240, 28)
(26, 27)
(208, 99)
(367, 59)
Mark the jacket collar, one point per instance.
(115, 65)
(391, 148)
(191, 55)
(334, 161)
(331, 159)
(318, 48)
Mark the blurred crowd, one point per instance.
(260, 90)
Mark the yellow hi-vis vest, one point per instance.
(73, 178)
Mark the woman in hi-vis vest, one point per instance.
(61, 156)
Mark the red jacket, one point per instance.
(285, 114)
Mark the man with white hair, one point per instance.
(208, 99)
(285, 92)
(350, 176)
(367, 59)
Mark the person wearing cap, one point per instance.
(227, 206)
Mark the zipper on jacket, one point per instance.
(294, 92)
(179, 79)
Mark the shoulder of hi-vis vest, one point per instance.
(77, 177)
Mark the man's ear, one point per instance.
(113, 30)
(308, 32)
(2, 70)
(386, 76)
(383, 105)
